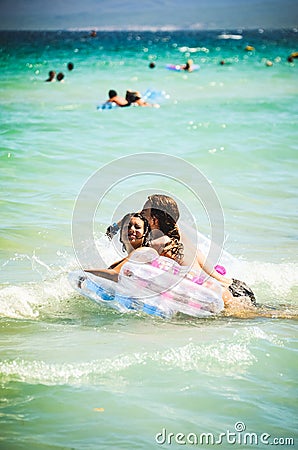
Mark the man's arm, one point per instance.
(201, 259)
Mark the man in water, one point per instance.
(117, 99)
(162, 213)
(188, 67)
(52, 75)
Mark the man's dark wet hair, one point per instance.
(112, 93)
(164, 203)
(165, 209)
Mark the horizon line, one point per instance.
(154, 29)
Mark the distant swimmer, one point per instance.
(249, 48)
(116, 99)
(60, 77)
(52, 75)
(70, 66)
(292, 56)
(135, 98)
(93, 33)
(188, 67)
(224, 62)
(152, 65)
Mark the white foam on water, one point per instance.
(235, 357)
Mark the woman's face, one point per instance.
(133, 233)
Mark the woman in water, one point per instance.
(134, 233)
(135, 98)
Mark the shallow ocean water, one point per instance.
(74, 375)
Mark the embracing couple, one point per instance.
(156, 227)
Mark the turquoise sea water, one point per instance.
(75, 376)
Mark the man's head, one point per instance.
(163, 203)
(60, 76)
(112, 93)
(161, 211)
